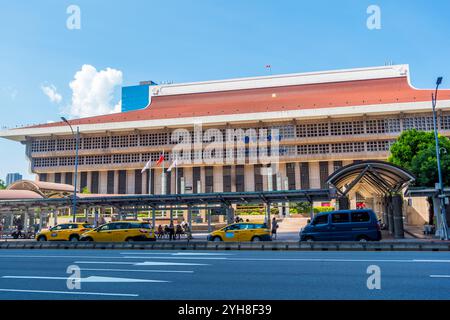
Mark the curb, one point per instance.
(205, 245)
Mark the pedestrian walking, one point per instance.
(171, 231)
(274, 228)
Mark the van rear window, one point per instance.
(362, 216)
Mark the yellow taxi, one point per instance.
(240, 232)
(120, 231)
(64, 232)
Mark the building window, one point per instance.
(337, 165)
(304, 175)
(83, 181)
(196, 176)
(259, 186)
(110, 182)
(68, 178)
(240, 180)
(445, 122)
(94, 181)
(290, 175)
(137, 181)
(323, 166)
(227, 179)
(209, 179)
(122, 182)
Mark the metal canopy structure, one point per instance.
(370, 178)
(169, 201)
(425, 192)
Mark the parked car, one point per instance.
(121, 231)
(239, 232)
(344, 225)
(64, 232)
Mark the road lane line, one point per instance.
(439, 276)
(340, 260)
(159, 263)
(91, 279)
(178, 253)
(102, 262)
(70, 257)
(73, 292)
(432, 261)
(135, 270)
(145, 263)
(179, 258)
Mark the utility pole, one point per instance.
(438, 157)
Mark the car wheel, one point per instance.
(88, 239)
(74, 238)
(363, 238)
(256, 239)
(217, 239)
(41, 238)
(129, 240)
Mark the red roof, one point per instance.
(309, 96)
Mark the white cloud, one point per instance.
(93, 92)
(51, 92)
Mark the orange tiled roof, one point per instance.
(295, 97)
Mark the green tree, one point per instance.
(2, 184)
(415, 151)
(85, 190)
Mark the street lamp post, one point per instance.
(77, 139)
(438, 157)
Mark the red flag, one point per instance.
(160, 160)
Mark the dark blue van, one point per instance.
(344, 225)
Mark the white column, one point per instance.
(249, 177)
(218, 178)
(55, 217)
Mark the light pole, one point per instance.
(77, 139)
(438, 157)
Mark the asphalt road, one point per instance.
(105, 274)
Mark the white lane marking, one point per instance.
(178, 253)
(92, 279)
(432, 261)
(439, 276)
(156, 263)
(135, 270)
(340, 260)
(180, 258)
(103, 262)
(145, 263)
(49, 256)
(73, 292)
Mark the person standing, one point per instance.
(274, 228)
(171, 231)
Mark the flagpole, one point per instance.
(176, 175)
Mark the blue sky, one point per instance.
(194, 40)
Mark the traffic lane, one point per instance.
(290, 279)
(50, 263)
(247, 275)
